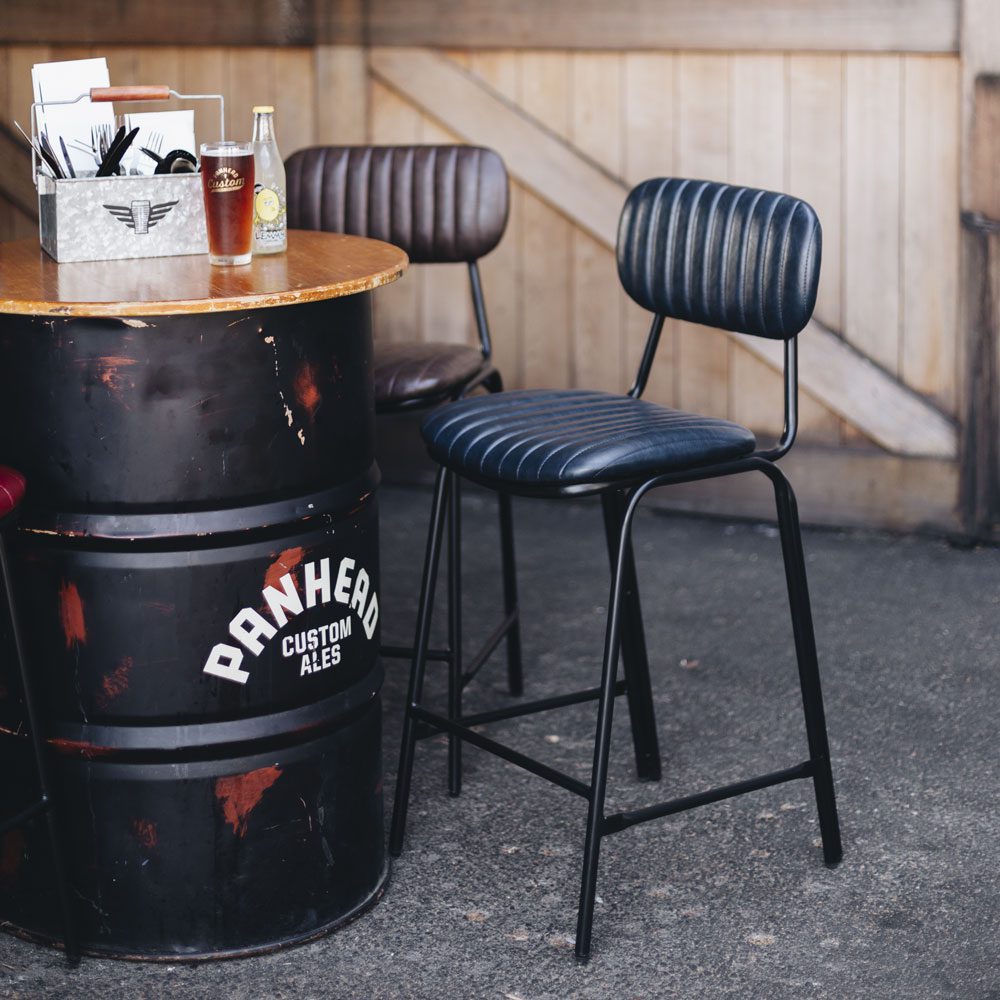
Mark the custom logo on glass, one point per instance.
(225, 179)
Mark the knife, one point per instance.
(43, 155)
(116, 151)
(69, 162)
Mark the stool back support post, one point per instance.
(479, 309)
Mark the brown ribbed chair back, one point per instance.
(441, 204)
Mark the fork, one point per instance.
(85, 147)
(101, 136)
(153, 146)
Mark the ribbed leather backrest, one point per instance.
(441, 204)
(729, 257)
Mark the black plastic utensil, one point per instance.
(66, 157)
(177, 161)
(116, 151)
(51, 153)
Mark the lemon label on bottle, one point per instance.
(267, 205)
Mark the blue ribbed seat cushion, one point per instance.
(574, 436)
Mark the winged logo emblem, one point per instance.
(141, 216)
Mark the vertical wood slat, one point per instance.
(153, 64)
(547, 235)
(445, 312)
(759, 157)
(294, 99)
(815, 163)
(342, 112)
(501, 270)
(757, 121)
(204, 71)
(930, 228)
(397, 307)
(595, 128)
(702, 93)
(649, 107)
(815, 171)
(251, 79)
(872, 208)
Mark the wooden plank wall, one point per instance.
(871, 140)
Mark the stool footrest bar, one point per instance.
(24, 815)
(500, 750)
(542, 705)
(623, 820)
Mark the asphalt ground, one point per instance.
(730, 900)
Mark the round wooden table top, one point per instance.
(315, 266)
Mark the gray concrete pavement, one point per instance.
(731, 900)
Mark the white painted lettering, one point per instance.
(224, 661)
(248, 627)
(370, 619)
(280, 601)
(343, 580)
(360, 595)
(317, 584)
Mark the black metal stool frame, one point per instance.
(461, 675)
(44, 803)
(621, 500)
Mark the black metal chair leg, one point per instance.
(602, 747)
(424, 613)
(805, 651)
(515, 672)
(38, 748)
(454, 632)
(638, 687)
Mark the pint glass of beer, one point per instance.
(227, 183)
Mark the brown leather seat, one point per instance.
(421, 371)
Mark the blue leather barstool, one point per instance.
(12, 489)
(722, 256)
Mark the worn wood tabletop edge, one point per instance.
(170, 307)
(27, 306)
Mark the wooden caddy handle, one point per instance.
(133, 92)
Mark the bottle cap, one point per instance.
(263, 109)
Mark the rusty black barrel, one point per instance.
(197, 573)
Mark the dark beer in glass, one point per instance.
(227, 180)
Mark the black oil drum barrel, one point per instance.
(197, 573)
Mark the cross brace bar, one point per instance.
(623, 820)
(439, 722)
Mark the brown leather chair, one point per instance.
(442, 205)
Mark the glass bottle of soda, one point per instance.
(270, 223)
